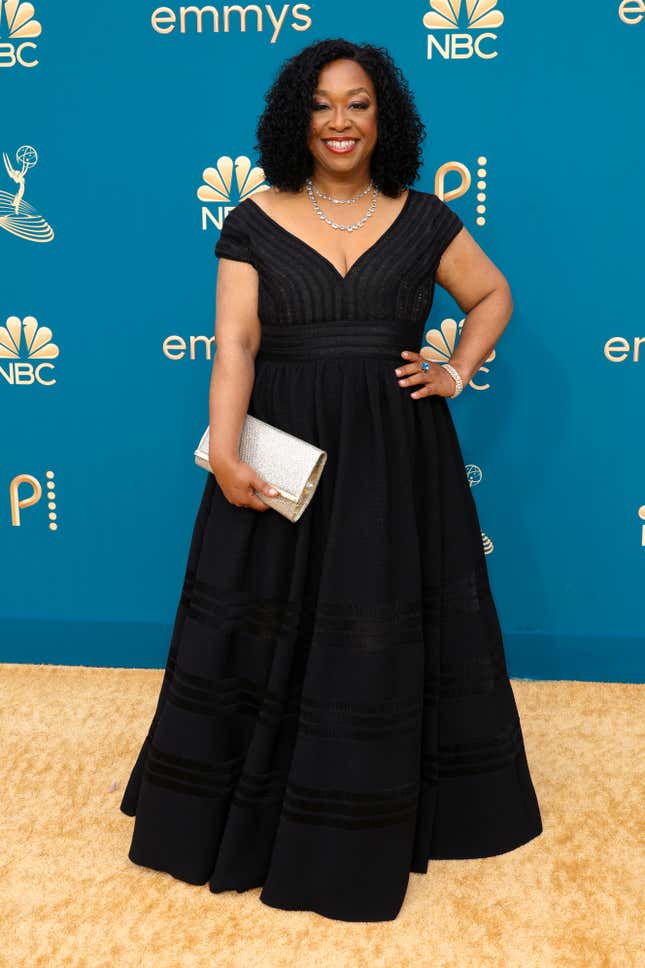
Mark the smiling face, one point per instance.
(344, 124)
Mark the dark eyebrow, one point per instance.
(353, 90)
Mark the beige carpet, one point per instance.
(70, 896)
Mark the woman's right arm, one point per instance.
(237, 340)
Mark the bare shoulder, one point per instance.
(275, 202)
(259, 198)
(269, 199)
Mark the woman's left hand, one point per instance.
(436, 380)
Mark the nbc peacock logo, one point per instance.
(26, 352)
(441, 345)
(18, 30)
(461, 30)
(228, 183)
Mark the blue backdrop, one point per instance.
(118, 126)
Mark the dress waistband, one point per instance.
(338, 338)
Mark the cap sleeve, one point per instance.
(234, 241)
(446, 226)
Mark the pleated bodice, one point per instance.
(392, 280)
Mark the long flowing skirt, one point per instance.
(336, 709)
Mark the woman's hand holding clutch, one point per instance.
(238, 480)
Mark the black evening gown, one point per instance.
(336, 709)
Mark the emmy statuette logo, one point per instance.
(16, 215)
(474, 476)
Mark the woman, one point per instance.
(336, 709)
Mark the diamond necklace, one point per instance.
(336, 225)
(338, 201)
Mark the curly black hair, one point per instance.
(283, 126)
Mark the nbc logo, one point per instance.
(217, 187)
(441, 345)
(27, 348)
(453, 41)
(18, 28)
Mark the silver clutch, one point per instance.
(291, 464)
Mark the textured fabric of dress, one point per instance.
(336, 709)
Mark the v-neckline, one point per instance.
(324, 258)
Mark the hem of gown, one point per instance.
(525, 838)
(149, 866)
(327, 913)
